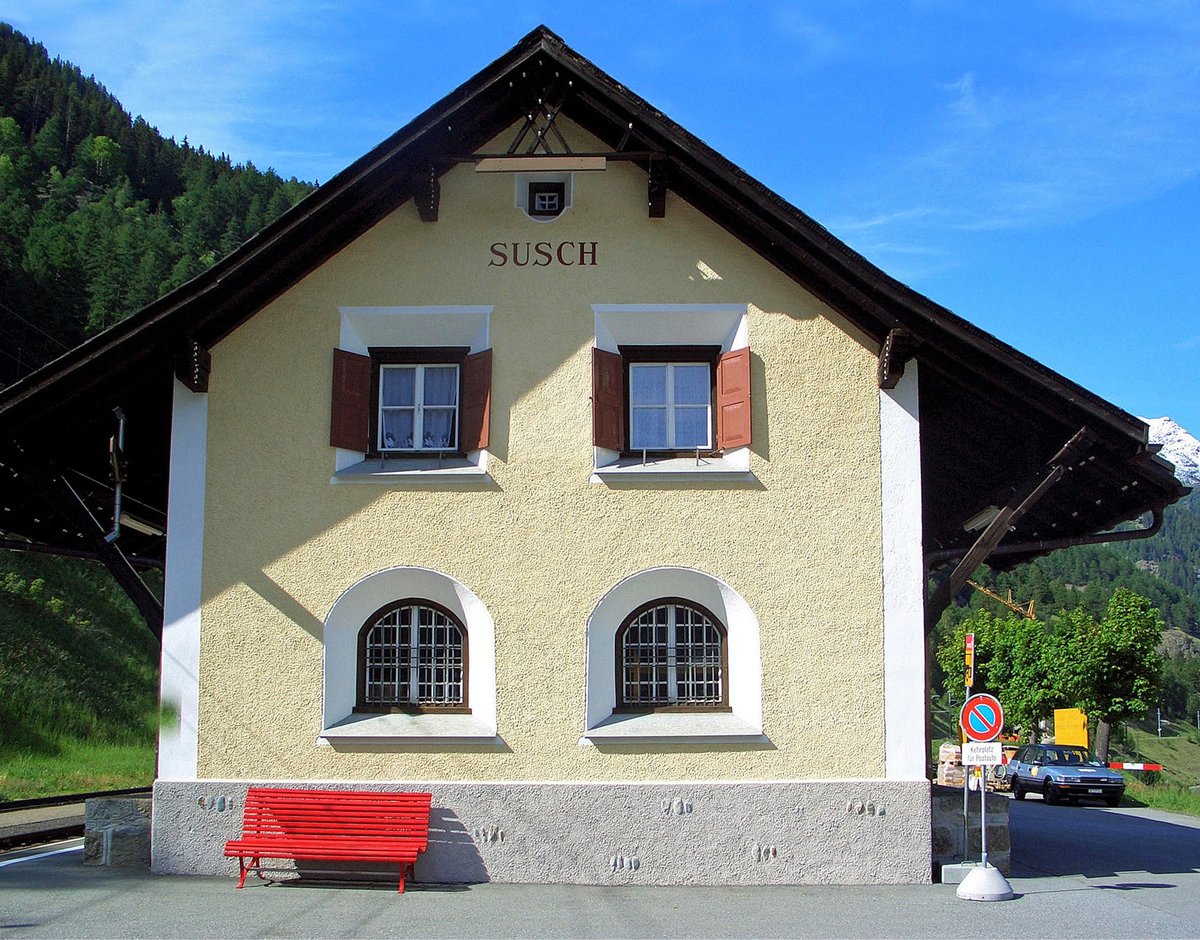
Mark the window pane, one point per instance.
(414, 660)
(692, 384)
(645, 668)
(387, 672)
(397, 429)
(697, 657)
(441, 385)
(439, 425)
(648, 429)
(648, 384)
(691, 427)
(397, 385)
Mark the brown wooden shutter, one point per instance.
(733, 400)
(350, 413)
(476, 401)
(608, 400)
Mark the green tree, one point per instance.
(1014, 660)
(1110, 668)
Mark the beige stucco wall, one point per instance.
(802, 544)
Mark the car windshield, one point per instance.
(1066, 755)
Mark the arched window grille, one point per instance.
(671, 653)
(412, 654)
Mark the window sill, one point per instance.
(405, 470)
(673, 727)
(426, 726)
(674, 470)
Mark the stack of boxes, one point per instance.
(950, 769)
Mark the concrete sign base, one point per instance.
(984, 883)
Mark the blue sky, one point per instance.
(1036, 170)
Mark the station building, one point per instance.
(545, 461)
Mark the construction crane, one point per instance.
(1026, 611)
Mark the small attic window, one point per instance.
(543, 196)
(547, 199)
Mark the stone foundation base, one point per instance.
(827, 832)
(116, 832)
(948, 844)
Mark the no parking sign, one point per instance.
(981, 718)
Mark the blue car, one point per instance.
(1063, 772)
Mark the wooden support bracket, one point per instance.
(1023, 499)
(428, 196)
(897, 349)
(656, 189)
(193, 365)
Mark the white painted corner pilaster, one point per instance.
(903, 580)
(180, 675)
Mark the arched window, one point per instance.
(412, 654)
(671, 653)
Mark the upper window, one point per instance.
(411, 401)
(412, 655)
(670, 402)
(547, 199)
(418, 407)
(671, 399)
(671, 653)
(543, 196)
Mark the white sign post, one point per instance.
(981, 718)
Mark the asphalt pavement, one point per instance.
(1078, 872)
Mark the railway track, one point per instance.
(33, 822)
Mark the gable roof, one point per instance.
(990, 414)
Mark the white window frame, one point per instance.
(671, 406)
(343, 727)
(418, 407)
(742, 723)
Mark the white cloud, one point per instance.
(1050, 135)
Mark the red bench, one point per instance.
(331, 825)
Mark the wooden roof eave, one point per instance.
(219, 299)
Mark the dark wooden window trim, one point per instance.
(619, 660)
(414, 355)
(361, 706)
(635, 354)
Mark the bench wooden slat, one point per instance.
(333, 825)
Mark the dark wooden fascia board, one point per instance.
(380, 181)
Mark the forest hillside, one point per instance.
(99, 214)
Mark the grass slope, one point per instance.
(78, 680)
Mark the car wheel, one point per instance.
(1018, 790)
(1049, 794)
(1113, 800)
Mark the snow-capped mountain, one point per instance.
(1179, 447)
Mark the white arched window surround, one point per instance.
(743, 721)
(342, 627)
